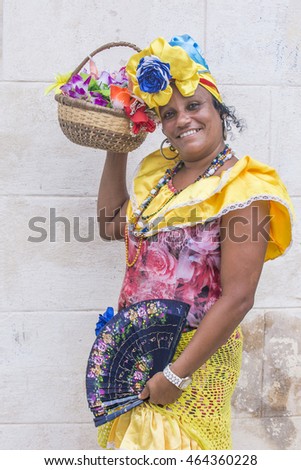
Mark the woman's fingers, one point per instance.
(160, 391)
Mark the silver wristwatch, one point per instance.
(174, 379)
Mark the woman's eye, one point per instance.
(168, 115)
(193, 106)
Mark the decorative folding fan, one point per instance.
(135, 344)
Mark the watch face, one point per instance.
(185, 383)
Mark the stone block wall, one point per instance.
(52, 291)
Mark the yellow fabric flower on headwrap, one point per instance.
(151, 70)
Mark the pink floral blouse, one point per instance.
(181, 264)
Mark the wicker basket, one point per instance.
(96, 126)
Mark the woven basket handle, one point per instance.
(102, 48)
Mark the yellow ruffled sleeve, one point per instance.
(246, 182)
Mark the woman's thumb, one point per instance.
(144, 394)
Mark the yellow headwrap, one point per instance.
(151, 70)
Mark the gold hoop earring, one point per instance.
(225, 134)
(171, 148)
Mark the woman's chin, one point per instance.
(192, 152)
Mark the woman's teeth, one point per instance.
(185, 134)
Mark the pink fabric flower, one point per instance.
(160, 262)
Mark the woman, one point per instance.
(198, 227)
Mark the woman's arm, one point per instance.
(242, 257)
(113, 197)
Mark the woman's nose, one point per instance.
(183, 118)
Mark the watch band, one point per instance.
(179, 382)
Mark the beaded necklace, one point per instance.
(138, 219)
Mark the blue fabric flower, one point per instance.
(103, 319)
(152, 74)
(191, 47)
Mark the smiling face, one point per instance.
(192, 125)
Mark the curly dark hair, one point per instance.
(227, 114)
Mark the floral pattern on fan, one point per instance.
(138, 377)
(135, 344)
(141, 317)
(140, 373)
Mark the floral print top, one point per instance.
(181, 264)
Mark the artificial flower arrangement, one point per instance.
(108, 90)
(137, 90)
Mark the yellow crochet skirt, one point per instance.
(199, 419)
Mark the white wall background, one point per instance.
(52, 291)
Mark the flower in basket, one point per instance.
(60, 79)
(120, 97)
(110, 90)
(140, 116)
(78, 87)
